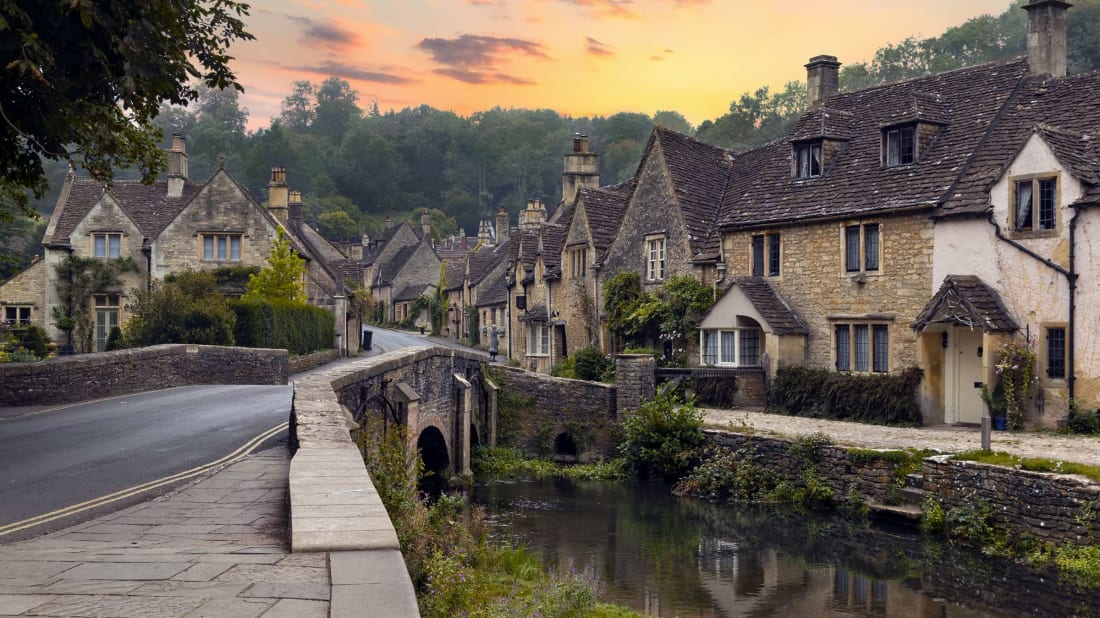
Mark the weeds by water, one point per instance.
(501, 462)
(1034, 464)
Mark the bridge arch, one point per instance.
(565, 447)
(432, 446)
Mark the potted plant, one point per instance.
(995, 401)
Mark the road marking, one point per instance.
(233, 457)
(66, 406)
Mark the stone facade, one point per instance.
(27, 289)
(90, 376)
(813, 280)
(636, 380)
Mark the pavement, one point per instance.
(215, 548)
(945, 438)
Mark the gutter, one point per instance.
(1071, 279)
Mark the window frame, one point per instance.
(765, 253)
(229, 242)
(578, 258)
(538, 339)
(713, 340)
(17, 311)
(655, 257)
(896, 136)
(861, 346)
(804, 163)
(868, 261)
(1038, 204)
(1047, 358)
(111, 240)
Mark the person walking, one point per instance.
(493, 343)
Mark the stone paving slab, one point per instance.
(946, 438)
(217, 548)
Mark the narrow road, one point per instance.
(58, 458)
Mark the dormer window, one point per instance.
(807, 159)
(1035, 205)
(899, 146)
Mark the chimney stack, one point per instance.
(294, 207)
(177, 166)
(426, 224)
(822, 79)
(582, 170)
(484, 236)
(1046, 37)
(535, 215)
(278, 196)
(502, 225)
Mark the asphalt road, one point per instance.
(57, 458)
(387, 340)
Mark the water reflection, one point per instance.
(668, 557)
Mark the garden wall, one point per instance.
(70, 379)
(305, 362)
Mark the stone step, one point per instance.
(905, 514)
(912, 495)
(914, 480)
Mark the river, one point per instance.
(671, 557)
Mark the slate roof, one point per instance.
(823, 122)
(775, 311)
(390, 269)
(1063, 111)
(411, 292)
(148, 206)
(495, 292)
(604, 209)
(699, 173)
(855, 183)
(454, 270)
(968, 301)
(535, 314)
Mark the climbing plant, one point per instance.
(1017, 378)
(669, 316)
(78, 278)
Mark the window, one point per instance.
(765, 253)
(899, 146)
(107, 245)
(738, 347)
(579, 261)
(861, 248)
(221, 247)
(106, 318)
(808, 160)
(538, 339)
(862, 347)
(1024, 215)
(655, 258)
(17, 315)
(1056, 353)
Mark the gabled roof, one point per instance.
(778, 314)
(389, 270)
(823, 122)
(148, 206)
(968, 301)
(855, 183)
(1063, 111)
(494, 292)
(411, 292)
(454, 272)
(535, 314)
(604, 212)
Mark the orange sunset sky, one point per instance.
(579, 57)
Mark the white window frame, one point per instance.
(737, 334)
(655, 258)
(111, 245)
(538, 339)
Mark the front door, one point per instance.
(105, 320)
(968, 404)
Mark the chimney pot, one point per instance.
(1046, 37)
(822, 79)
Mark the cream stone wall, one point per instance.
(1034, 293)
(28, 288)
(813, 281)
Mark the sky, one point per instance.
(578, 57)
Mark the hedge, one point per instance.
(297, 327)
(880, 399)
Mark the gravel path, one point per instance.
(1081, 449)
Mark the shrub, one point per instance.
(889, 399)
(114, 339)
(565, 369)
(185, 309)
(590, 364)
(275, 323)
(662, 438)
(1083, 421)
(727, 475)
(34, 339)
(715, 391)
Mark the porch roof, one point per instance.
(968, 301)
(535, 314)
(767, 307)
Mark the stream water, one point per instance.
(671, 557)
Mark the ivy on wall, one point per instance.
(78, 279)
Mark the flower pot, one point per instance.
(1000, 423)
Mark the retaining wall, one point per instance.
(305, 362)
(82, 377)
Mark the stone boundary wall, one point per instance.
(69, 379)
(1043, 505)
(305, 362)
(551, 406)
(871, 478)
(636, 378)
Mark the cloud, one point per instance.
(338, 69)
(597, 48)
(322, 34)
(480, 2)
(607, 8)
(657, 58)
(474, 59)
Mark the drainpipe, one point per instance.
(596, 305)
(1071, 279)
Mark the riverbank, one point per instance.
(943, 438)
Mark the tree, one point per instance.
(83, 81)
(185, 308)
(282, 277)
(298, 108)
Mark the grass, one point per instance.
(510, 463)
(1033, 464)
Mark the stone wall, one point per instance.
(751, 388)
(305, 362)
(535, 409)
(1046, 506)
(636, 380)
(91, 376)
(27, 289)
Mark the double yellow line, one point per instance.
(233, 457)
